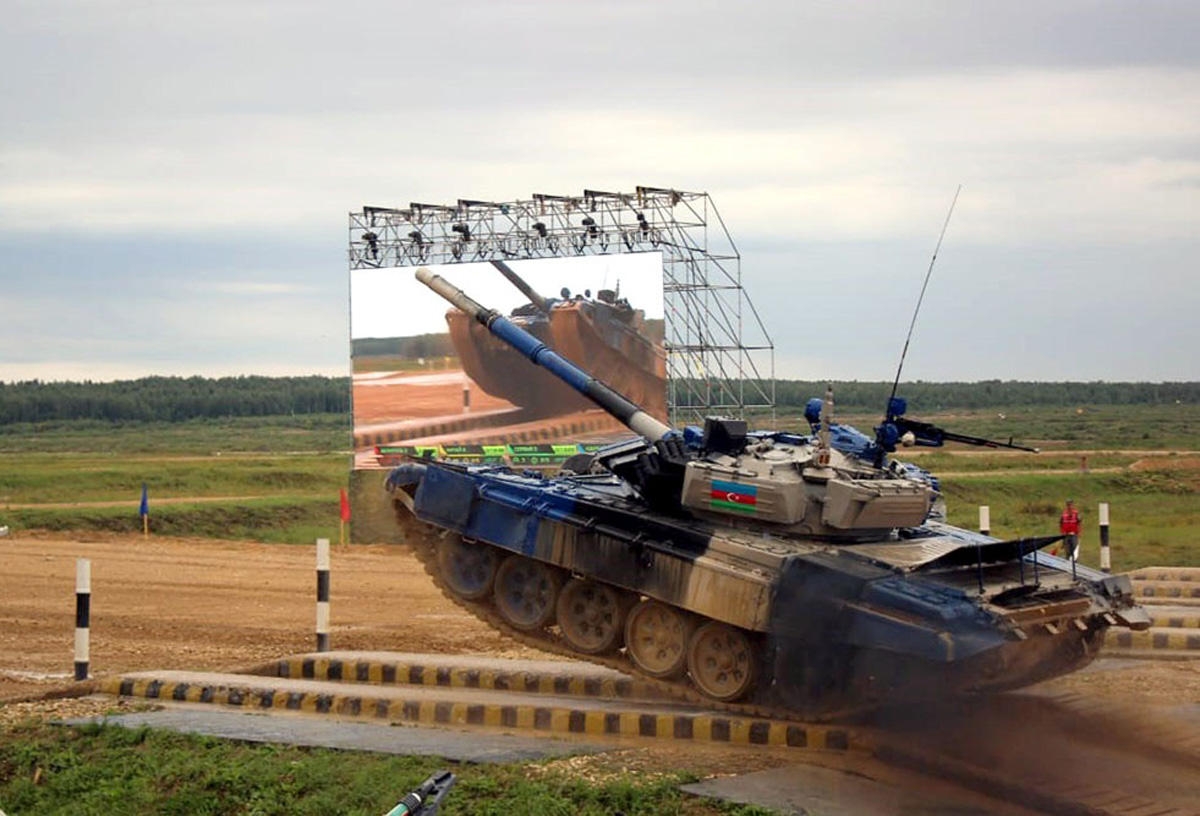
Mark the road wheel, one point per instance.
(721, 661)
(656, 638)
(591, 616)
(526, 592)
(468, 567)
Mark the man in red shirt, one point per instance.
(1068, 525)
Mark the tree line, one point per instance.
(932, 396)
(177, 399)
(172, 399)
(993, 393)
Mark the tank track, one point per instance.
(423, 540)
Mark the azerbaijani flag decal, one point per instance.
(739, 498)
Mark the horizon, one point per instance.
(349, 375)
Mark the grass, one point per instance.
(1154, 514)
(279, 476)
(283, 520)
(283, 496)
(100, 769)
(42, 478)
(319, 433)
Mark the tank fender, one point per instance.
(406, 475)
(825, 597)
(444, 497)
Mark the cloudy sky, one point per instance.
(175, 177)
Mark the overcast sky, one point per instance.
(175, 177)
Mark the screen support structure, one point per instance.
(720, 358)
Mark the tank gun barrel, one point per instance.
(540, 354)
(542, 304)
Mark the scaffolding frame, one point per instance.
(720, 358)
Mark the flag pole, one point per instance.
(144, 510)
(344, 515)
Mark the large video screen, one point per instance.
(430, 381)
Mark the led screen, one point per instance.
(429, 381)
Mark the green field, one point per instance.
(107, 769)
(277, 478)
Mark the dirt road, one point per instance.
(164, 603)
(200, 603)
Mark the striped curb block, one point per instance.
(1150, 603)
(1167, 589)
(1154, 638)
(542, 719)
(1176, 621)
(401, 673)
(1186, 574)
(549, 431)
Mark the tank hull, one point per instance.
(830, 627)
(593, 335)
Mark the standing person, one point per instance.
(1068, 525)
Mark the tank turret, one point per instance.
(803, 573)
(793, 486)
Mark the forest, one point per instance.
(172, 399)
(178, 399)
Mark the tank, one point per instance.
(605, 335)
(800, 574)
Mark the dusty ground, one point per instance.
(163, 603)
(204, 604)
(391, 396)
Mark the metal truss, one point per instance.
(720, 358)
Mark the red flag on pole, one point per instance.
(345, 505)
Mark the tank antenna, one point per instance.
(904, 353)
(924, 285)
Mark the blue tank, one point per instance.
(806, 574)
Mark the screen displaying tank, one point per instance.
(430, 382)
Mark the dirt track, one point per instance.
(161, 603)
(199, 603)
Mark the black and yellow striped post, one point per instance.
(83, 615)
(322, 594)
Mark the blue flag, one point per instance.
(144, 510)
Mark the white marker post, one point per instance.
(322, 594)
(985, 519)
(83, 615)
(1105, 557)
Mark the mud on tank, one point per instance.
(779, 570)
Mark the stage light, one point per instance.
(372, 244)
(540, 229)
(463, 230)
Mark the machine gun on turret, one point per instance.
(898, 429)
